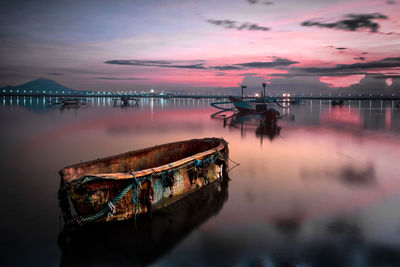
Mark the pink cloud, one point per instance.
(343, 81)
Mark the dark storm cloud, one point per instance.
(351, 22)
(344, 69)
(139, 62)
(55, 73)
(300, 73)
(277, 62)
(360, 58)
(231, 24)
(364, 53)
(248, 74)
(227, 67)
(120, 79)
(387, 76)
(199, 64)
(385, 63)
(156, 63)
(391, 2)
(267, 3)
(339, 48)
(391, 33)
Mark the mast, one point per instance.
(243, 87)
(264, 84)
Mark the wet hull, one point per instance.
(151, 190)
(246, 107)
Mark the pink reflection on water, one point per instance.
(307, 173)
(388, 118)
(342, 116)
(162, 121)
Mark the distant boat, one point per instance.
(258, 105)
(122, 186)
(337, 103)
(70, 101)
(254, 106)
(248, 106)
(126, 101)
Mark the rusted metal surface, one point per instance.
(163, 174)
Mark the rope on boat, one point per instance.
(105, 210)
(110, 207)
(237, 164)
(135, 195)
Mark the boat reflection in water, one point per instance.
(264, 126)
(71, 107)
(125, 102)
(145, 240)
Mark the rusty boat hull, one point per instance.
(136, 183)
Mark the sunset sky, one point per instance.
(192, 45)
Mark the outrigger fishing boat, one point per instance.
(126, 101)
(259, 105)
(138, 182)
(70, 101)
(252, 106)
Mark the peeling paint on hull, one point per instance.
(144, 175)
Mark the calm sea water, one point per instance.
(321, 189)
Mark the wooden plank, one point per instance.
(141, 173)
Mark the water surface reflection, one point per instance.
(321, 189)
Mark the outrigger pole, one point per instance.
(243, 87)
(264, 84)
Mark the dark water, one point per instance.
(322, 189)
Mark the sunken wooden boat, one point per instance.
(139, 182)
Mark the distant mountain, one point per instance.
(39, 84)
